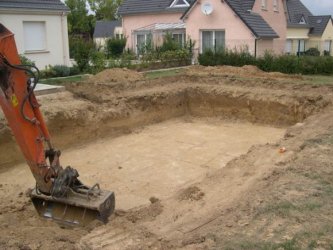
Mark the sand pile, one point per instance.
(116, 75)
(246, 71)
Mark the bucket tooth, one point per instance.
(76, 209)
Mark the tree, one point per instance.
(105, 9)
(78, 21)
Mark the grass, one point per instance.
(163, 73)
(318, 79)
(285, 208)
(63, 80)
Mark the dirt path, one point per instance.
(179, 154)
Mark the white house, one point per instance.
(40, 29)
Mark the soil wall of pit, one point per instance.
(81, 117)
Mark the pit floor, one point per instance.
(157, 160)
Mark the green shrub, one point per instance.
(312, 52)
(74, 70)
(288, 64)
(115, 47)
(97, 61)
(169, 44)
(226, 57)
(48, 72)
(61, 70)
(207, 58)
(80, 51)
(26, 61)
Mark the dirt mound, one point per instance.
(145, 213)
(225, 71)
(116, 75)
(192, 193)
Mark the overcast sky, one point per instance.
(319, 7)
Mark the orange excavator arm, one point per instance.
(58, 195)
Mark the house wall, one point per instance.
(131, 23)
(57, 49)
(276, 19)
(264, 45)
(297, 33)
(328, 35)
(237, 34)
(100, 42)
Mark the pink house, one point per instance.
(254, 25)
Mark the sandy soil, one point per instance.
(207, 173)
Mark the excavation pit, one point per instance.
(177, 153)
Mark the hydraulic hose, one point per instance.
(25, 68)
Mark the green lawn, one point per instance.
(63, 80)
(318, 79)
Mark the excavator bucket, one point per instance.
(77, 209)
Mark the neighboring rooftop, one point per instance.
(300, 16)
(296, 10)
(106, 28)
(131, 7)
(47, 5)
(318, 24)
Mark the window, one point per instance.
(302, 21)
(276, 5)
(34, 34)
(179, 38)
(143, 40)
(264, 4)
(212, 40)
(327, 46)
(301, 47)
(288, 48)
(179, 3)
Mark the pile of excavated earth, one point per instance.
(211, 158)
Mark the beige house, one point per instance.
(105, 30)
(305, 31)
(40, 29)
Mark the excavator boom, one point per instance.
(59, 194)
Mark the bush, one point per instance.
(74, 70)
(80, 51)
(97, 61)
(48, 72)
(115, 47)
(169, 44)
(226, 57)
(312, 52)
(175, 57)
(61, 70)
(288, 64)
(26, 61)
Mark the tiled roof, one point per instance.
(318, 24)
(296, 10)
(253, 21)
(106, 28)
(48, 5)
(130, 7)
